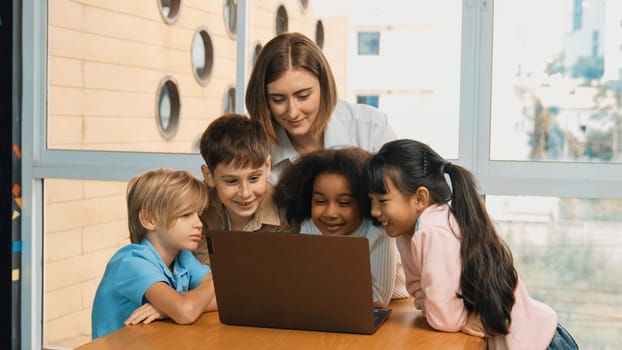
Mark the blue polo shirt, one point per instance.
(129, 273)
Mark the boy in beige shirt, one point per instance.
(237, 166)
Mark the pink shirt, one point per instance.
(432, 264)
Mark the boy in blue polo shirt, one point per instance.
(157, 276)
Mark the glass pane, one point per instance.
(86, 222)
(168, 108)
(415, 68)
(229, 101)
(198, 54)
(106, 60)
(164, 106)
(231, 16)
(557, 81)
(282, 20)
(169, 9)
(202, 56)
(567, 252)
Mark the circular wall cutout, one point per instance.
(231, 17)
(282, 21)
(168, 106)
(319, 34)
(202, 55)
(228, 103)
(169, 9)
(256, 51)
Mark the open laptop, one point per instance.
(294, 281)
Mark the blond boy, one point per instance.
(157, 276)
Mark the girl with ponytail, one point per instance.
(458, 269)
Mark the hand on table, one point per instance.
(146, 314)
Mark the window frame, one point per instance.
(559, 179)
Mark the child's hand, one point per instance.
(146, 314)
(474, 326)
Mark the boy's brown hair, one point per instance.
(162, 195)
(234, 139)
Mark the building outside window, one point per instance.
(369, 43)
(371, 100)
(535, 118)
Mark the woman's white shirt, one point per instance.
(350, 125)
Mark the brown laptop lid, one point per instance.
(294, 281)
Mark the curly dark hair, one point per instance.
(294, 190)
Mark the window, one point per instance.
(577, 18)
(202, 55)
(103, 103)
(595, 44)
(87, 224)
(228, 103)
(319, 34)
(304, 4)
(256, 50)
(565, 251)
(169, 9)
(231, 16)
(369, 43)
(371, 100)
(100, 90)
(282, 21)
(550, 99)
(168, 108)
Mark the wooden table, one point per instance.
(405, 329)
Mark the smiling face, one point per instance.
(333, 208)
(397, 212)
(294, 100)
(241, 190)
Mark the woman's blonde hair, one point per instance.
(163, 195)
